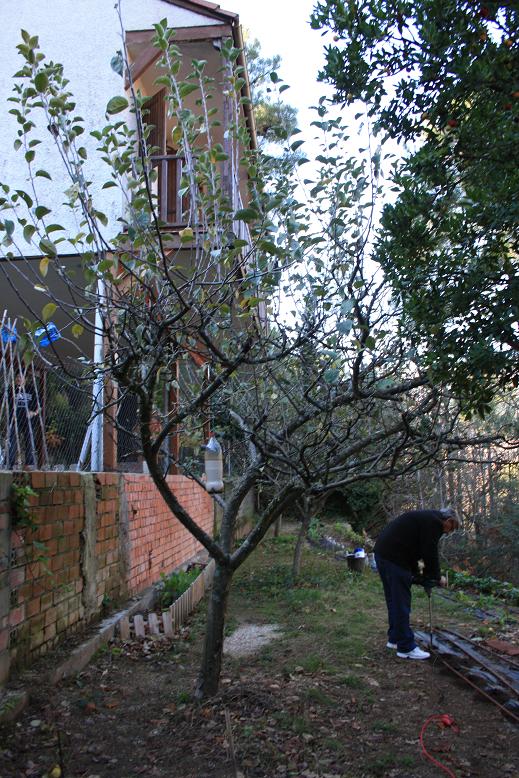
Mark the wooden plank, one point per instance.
(124, 628)
(182, 34)
(179, 215)
(503, 646)
(153, 624)
(142, 62)
(173, 609)
(163, 191)
(138, 624)
(167, 623)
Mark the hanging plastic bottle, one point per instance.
(213, 461)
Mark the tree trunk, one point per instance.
(304, 506)
(209, 677)
(278, 526)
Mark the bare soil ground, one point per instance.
(326, 700)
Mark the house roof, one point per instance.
(207, 8)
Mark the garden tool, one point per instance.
(428, 587)
(428, 591)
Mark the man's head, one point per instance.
(450, 522)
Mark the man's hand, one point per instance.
(443, 581)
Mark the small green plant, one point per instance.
(352, 681)
(384, 726)
(486, 585)
(23, 519)
(343, 531)
(312, 663)
(21, 506)
(317, 696)
(176, 584)
(315, 529)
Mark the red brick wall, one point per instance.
(109, 586)
(136, 538)
(158, 542)
(46, 582)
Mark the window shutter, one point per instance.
(156, 107)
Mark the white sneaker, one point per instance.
(416, 653)
(391, 645)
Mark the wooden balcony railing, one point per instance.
(172, 206)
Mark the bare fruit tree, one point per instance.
(265, 299)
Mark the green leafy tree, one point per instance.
(441, 76)
(275, 119)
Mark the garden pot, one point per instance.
(356, 564)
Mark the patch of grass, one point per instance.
(283, 541)
(384, 726)
(296, 724)
(300, 725)
(183, 698)
(352, 681)
(351, 648)
(231, 625)
(303, 596)
(317, 695)
(312, 663)
(333, 744)
(266, 655)
(383, 763)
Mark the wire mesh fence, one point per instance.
(44, 414)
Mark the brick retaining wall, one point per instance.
(105, 536)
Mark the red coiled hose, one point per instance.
(443, 720)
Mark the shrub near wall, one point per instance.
(99, 537)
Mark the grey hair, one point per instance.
(447, 513)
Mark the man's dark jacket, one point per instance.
(412, 536)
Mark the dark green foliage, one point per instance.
(359, 504)
(275, 119)
(443, 74)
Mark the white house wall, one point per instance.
(83, 35)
